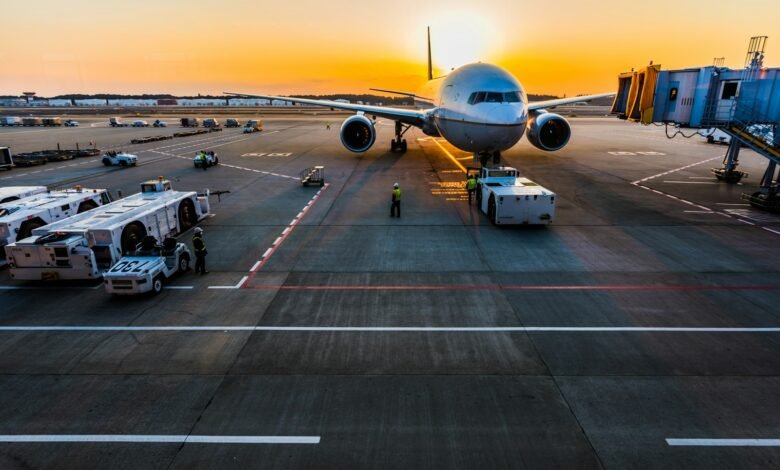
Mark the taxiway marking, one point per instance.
(280, 239)
(158, 439)
(463, 168)
(723, 442)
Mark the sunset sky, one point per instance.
(339, 46)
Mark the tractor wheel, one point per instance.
(184, 263)
(157, 284)
(132, 235)
(187, 215)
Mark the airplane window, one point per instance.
(494, 97)
(512, 97)
(477, 97)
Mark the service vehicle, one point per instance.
(507, 198)
(71, 123)
(117, 122)
(84, 245)
(190, 122)
(10, 121)
(51, 121)
(232, 122)
(211, 122)
(19, 218)
(715, 136)
(113, 158)
(159, 123)
(6, 161)
(13, 193)
(32, 121)
(210, 157)
(140, 124)
(253, 125)
(149, 268)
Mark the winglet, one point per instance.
(430, 66)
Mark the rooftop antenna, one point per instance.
(718, 61)
(430, 66)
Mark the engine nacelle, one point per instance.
(357, 133)
(548, 131)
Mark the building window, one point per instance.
(729, 90)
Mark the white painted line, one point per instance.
(159, 439)
(724, 442)
(771, 230)
(699, 212)
(267, 252)
(179, 287)
(241, 282)
(746, 222)
(730, 204)
(217, 287)
(692, 182)
(255, 266)
(401, 329)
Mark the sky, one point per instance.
(187, 47)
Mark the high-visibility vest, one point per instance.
(397, 194)
(198, 243)
(471, 183)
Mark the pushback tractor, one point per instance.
(509, 199)
(19, 218)
(85, 245)
(13, 193)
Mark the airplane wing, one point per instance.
(407, 116)
(565, 101)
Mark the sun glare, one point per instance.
(460, 38)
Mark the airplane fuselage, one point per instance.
(477, 108)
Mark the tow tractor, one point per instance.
(211, 159)
(507, 198)
(150, 267)
(122, 159)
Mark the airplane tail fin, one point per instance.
(430, 66)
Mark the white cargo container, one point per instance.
(509, 199)
(12, 193)
(84, 245)
(19, 218)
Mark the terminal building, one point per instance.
(743, 103)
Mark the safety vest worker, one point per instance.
(199, 245)
(395, 206)
(471, 186)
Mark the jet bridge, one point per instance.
(743, 103)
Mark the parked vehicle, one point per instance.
(253, 125)
(211, 122)
(71, 123)
(51, 121)
(116, 122)
(159, 123)
(148, 268)
(232, 122)
(208, 158)
(140, 124)
(10, 121)
(6, 161)
(190, 122)
(122, 159)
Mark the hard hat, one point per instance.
(198, 230)
(396, 185)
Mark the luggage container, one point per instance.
(85, 245)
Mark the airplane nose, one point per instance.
(508, 114)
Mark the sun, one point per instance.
(460, 38)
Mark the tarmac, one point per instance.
(640, 330)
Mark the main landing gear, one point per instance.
(484, 157)
(399, 143)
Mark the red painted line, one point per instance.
(529, 288)
(270, 252)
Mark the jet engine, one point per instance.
(548, 131)
(357, 133)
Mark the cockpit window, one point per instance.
(495, 97)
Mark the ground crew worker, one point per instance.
(203, 163)
(471, 186)
(395, 207)
(199, 245)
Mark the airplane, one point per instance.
(479, 108)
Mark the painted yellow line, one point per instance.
(463, 168)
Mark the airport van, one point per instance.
(253, 125)
(211, 122)
(190, 122)
(232, 122)
(10, 121)
(19, 218)
(84, 245)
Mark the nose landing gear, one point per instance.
(484, 157)
(399, 143)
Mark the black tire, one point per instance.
(123, 163)
(184, 263)
(478, 195)
(157, 284)
(216, 160)
(187, 215)
(392, 145)
(492, 209)
(87, 206)
(710, 139)
(25, 230)
(403, 146)
(132, 235)
(107, 161)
